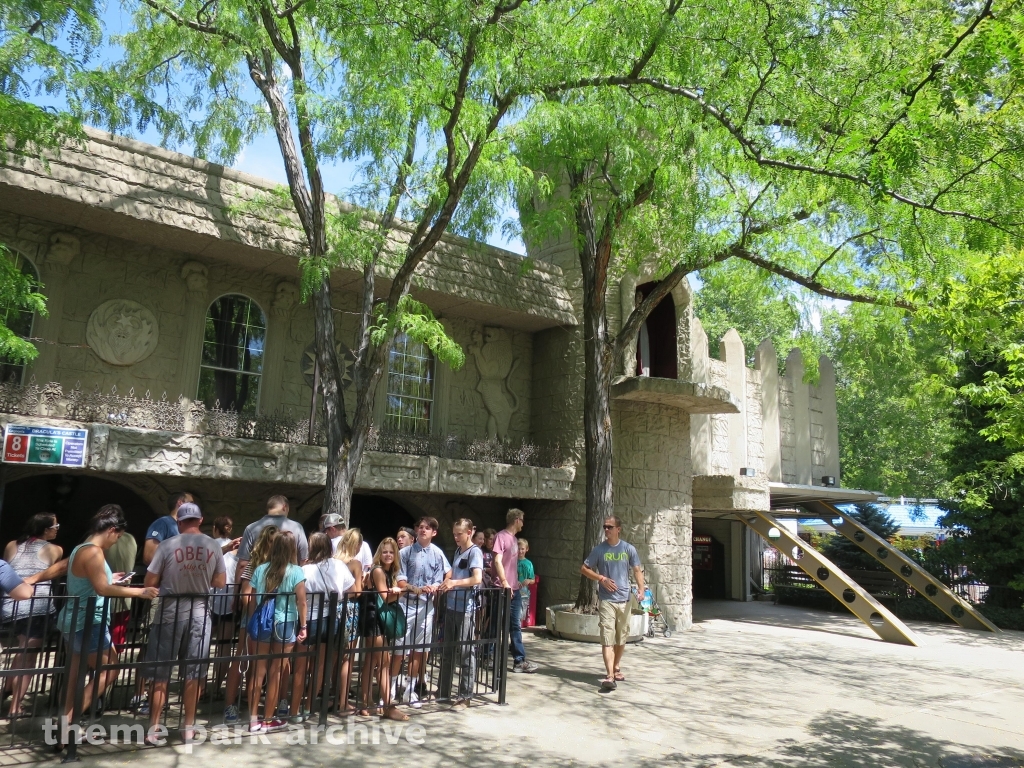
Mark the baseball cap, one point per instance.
(189, 511)
(331, 521)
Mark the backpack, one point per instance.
(261, 623)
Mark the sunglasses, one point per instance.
(609, 527)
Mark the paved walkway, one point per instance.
(752, 685)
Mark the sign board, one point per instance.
(45, 445)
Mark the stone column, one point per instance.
(285, 298)
(801, 416)
(829, 417)
(734, 357)
(767, 362)
(700, 423)
(197, 302)
(64, 248)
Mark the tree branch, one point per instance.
(755, 153)
(814, 285)
(937, 66)
(206, 29)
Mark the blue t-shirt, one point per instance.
(9, 580)
(162, 529)
(463, 563)
(615, 563)
(422, 566)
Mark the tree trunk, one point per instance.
(597, 416)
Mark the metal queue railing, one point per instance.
(466, 655)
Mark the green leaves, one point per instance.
(18, 293)
(415, 319)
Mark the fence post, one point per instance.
(329, 671)
(503, 637)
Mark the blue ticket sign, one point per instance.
(45, 445)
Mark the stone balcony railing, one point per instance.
(192, 417)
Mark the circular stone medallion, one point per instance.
(122, 332)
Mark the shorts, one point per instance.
(169, 643)
(351, 622)
(32, 627)
(283, 632)
(613, 620)
(99, 639)
(316, 630)
(419, 617)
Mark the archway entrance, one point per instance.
(375, 516)
(656, 347)
(74, 499)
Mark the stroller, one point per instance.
(656, 620)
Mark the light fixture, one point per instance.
(748, 472)
(829, 481)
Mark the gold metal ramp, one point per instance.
(838, 584)
(958, 609)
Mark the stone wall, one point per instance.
(107, 268)
(653, 497)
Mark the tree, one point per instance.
(421, 92)
(759, 305)
(848, 149)
(894, 413)
(847, 555)
(56, 40)
(983, 323)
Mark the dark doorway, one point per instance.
(74, 499)
(708, 568)
(660, 346)
(374, 516)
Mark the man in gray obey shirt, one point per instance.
(609, 564)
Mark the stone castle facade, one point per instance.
(177, 338)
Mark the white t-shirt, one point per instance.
(323, 578)
(364, 555)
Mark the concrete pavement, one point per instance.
(752, 685)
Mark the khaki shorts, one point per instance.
(613, 619)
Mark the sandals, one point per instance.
(619, 677)
(608, 684)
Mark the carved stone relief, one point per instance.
(492, 352)
(122, 332)
(64, 247)
(346, 359)
(286, 296)
(196, 279)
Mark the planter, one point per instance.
(574, 626)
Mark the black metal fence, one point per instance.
(178, 663)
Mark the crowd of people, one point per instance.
(283, 604)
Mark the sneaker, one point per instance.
(136, 702)
(231, 714)
(414, 700)
(299, 718)
(526, 667)
(275, 725)
(143, 709)
(460, 705)
(255, 726)
(282, 709)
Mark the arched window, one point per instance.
(410, 387)
(656, 347)
(18, 320)
(233, 354)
